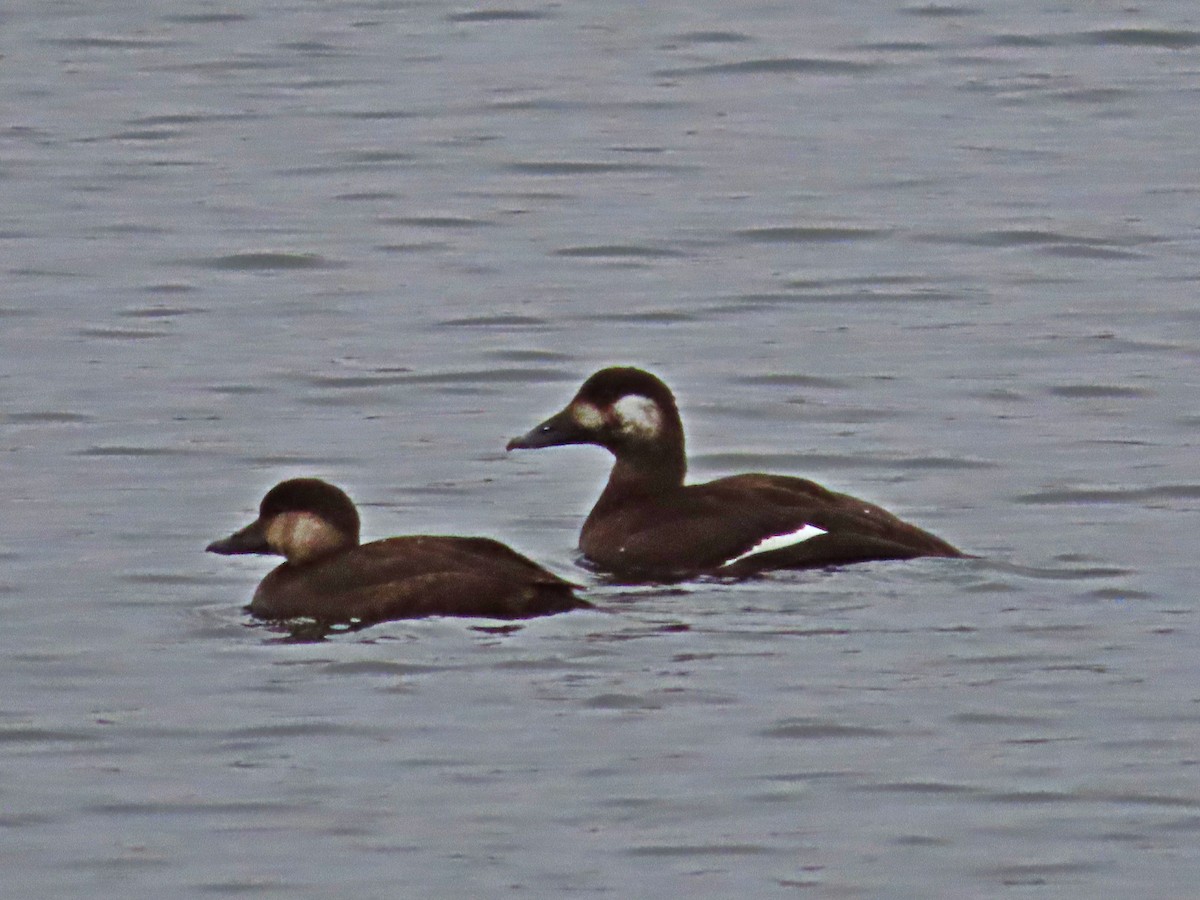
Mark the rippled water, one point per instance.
(943, 256)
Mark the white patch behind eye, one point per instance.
(638, 415)
(302, 535)
(587, 416)
(779, 541)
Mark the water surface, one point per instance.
(939, 255)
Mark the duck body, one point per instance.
(411, 578)
(648, 525)
(331, 578)
(743, 525)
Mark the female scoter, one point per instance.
(649, 526)
(330, 577)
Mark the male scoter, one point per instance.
(649, 526)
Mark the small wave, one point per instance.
(265, 261)
(498, 15)
(779, 66)
(813, 729)
(1084, 495)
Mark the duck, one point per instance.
(329, 577)
(649, 526)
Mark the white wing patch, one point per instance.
(779, 541)
(638, 416)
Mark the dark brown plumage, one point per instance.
(330, 577)
(649, 526)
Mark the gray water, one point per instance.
(942, 256)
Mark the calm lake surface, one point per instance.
(943, 256)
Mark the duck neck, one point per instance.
(646, 471)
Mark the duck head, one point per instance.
(617, 408)
(301, 519)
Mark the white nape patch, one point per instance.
(639, 416)
(588, 417)
(779, 541)
(301, 535)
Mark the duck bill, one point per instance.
(251, 539)
(561, 428)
